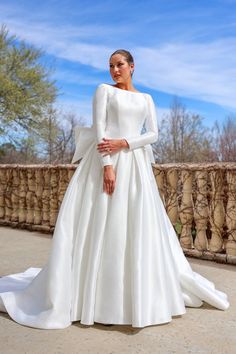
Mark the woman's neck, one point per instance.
(126, 86)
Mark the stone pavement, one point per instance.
(204, 330)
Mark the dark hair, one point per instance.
(128, 57)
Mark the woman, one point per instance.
(115, 257)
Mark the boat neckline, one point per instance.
(140, 93)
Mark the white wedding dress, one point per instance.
(114, 258)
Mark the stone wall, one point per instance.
(200, 200)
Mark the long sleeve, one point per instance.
(151, 134)
(99, 120)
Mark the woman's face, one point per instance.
(120, 68)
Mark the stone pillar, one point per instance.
(201, 210)
(22, 194)
(15, 195)
(30, 196)
(8, 194)
(172, 201)
(160, 179)
(53, 195)
(186, 209)
(46, 197)
(217, 211)
(231, 213)
(38, 203)
(3, 186)
(70, 173)
(62, 185)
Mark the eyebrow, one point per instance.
(118, 62)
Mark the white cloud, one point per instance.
(203, 71)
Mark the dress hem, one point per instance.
(99, 321)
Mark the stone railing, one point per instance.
(200, 200)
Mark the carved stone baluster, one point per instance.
(201, 210)
(217, 211)
(8, 195)
(70, 173)
(160, 180)
(186, 210)
(231, 213)
(46, 197)
(62, 185)
(30, 196)
(172, 201)
(53, 196)
(3, 187)
(22, 194)
(15, 194)
(38, 205)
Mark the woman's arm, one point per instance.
(151, 134)
(99, 119)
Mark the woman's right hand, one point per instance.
(109, 179)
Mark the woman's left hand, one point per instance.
(110, 146)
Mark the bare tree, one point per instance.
(182, 137)
(225, 139)
(56, 137)
(66, 143)
(52, 143)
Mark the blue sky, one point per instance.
(183, 48)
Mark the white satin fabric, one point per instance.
(114, 259)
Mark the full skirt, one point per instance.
(113, 259)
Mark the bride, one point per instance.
(115, 257)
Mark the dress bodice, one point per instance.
(125, 112)
(119, 114)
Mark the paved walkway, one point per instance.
(204, 330)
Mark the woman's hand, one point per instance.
(110, 146)
(109, 179)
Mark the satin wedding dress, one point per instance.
(114, 258)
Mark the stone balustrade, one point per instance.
(200, 200)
